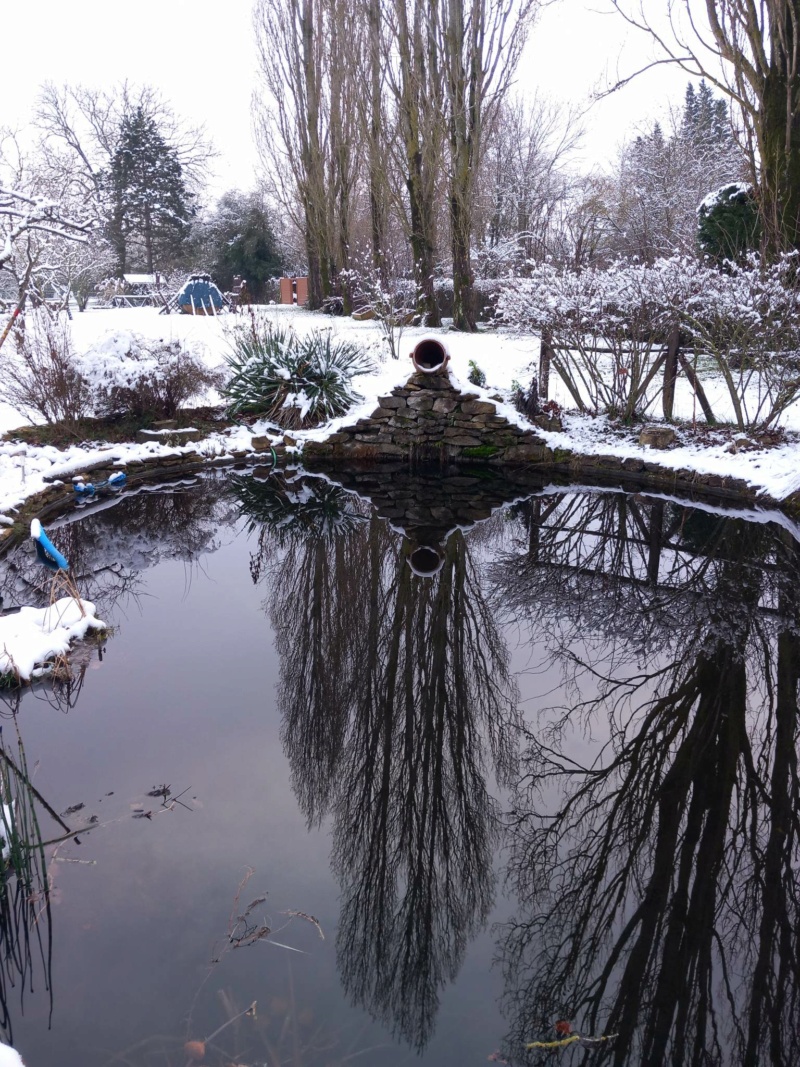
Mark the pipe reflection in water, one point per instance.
(397, 703)
(657, 890)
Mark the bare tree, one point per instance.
(307, 126)
(414, 81)
(480, 45)
(522, 183)
(751, 52)
(37, 225)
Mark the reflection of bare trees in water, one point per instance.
(397, 703)
(621, 568)
(656, 885)
(415, 823)
(109, 547)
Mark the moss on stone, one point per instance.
(480, 451)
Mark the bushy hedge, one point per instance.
(130, 374)
(123, 374)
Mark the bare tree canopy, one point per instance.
(751, 52)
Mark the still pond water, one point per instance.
(418, 766)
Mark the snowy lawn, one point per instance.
(503, 357)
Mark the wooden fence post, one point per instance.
(698, 389)
(545, 356)
(671, 371)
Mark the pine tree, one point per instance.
(705, 122)
(149, 203)
(239, 239)
(663, 177)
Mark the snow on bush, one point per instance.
(130, 374)
(123, 373)
(38, 375)
(608, 327)
(609, 330)
(296, 382)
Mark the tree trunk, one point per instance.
(148, 241)
(315, 288)
(319, 282)
(464, 66)
(463, 278)
(377, 180)
(545, 359)
(780, 171)
(423, 253)
(779, 133)
(417, 95)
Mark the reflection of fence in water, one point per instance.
(646, 541)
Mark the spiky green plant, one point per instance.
(476, 375)
(295, 382)
(297, 509)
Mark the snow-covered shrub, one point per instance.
(38, 375)
(748, 319)
(728, 223)
(607, 327)
(392, 301)
(608, 330)
(140, 376)
(294, 381)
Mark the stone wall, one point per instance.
(428, 419)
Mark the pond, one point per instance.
(385, 767)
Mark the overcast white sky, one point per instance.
(201, 55)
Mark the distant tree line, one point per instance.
(123, 157)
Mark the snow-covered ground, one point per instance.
(31, 637)
(503, 357)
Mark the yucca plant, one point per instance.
(295, 382)
(297, 509)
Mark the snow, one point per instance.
(141, 279)
(730, 190)
(504, 356)
(773, 472)
(9, 1057)
(33, 636)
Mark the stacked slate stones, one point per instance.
(429, 419)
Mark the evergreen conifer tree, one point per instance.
(149, 203)
(239, 239)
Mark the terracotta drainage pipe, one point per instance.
(426, 560)
(430, 356)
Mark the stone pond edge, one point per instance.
(607, 471)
